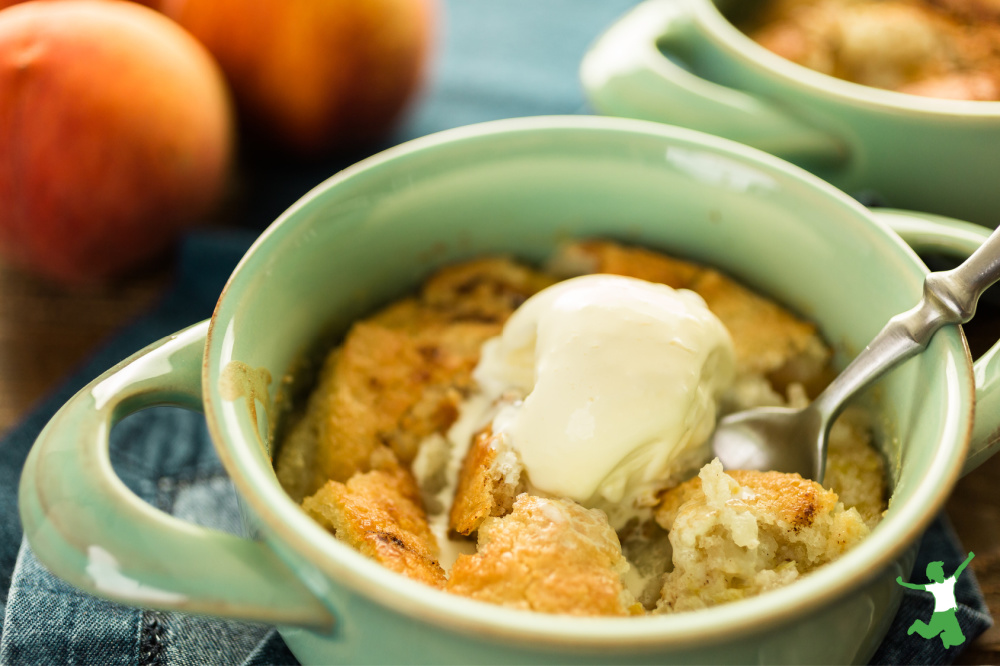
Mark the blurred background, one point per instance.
(79, 256)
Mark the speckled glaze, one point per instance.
(933, 155)
(520, 186)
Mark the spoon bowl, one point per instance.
(791, 440)
(773, 438)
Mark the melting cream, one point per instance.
(620, 381)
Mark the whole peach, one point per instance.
(8, 3)
(117, 133)
(315, 75)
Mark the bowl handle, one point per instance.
(626, 74)
(87, 528)
(923, 232)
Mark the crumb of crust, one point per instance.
(379, 514)
(766, 337)
(488, 482)
(597, 256)
(739, 533)
(487, 289)
(550, 556)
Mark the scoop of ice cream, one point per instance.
(618, 378)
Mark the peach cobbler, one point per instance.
(935, 48)
(538, 438)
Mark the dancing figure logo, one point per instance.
(943, 622)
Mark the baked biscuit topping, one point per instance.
(489, 481)
(398, 398)
(547, 555)
(741, 533)
(401, 374)
(948, 49)
(379, 513)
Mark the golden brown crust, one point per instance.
(388, 387)
(935, 48)
(788, 497)
(488, 289)
(598, 256)
(483, 490)
(401, 374)
(736, 534)
(765, 336)
(379, 514)
(673, 499)
(442, 378)
(551, 556)
(474, 493)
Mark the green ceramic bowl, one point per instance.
(915, 152)
(373, 232)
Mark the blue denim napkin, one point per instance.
(497, 60)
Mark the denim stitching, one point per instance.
(152, 639)
(154, 631)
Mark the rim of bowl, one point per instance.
(738, 43)
(282, 518)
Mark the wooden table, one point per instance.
(46, 332)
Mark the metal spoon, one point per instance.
(795, 440)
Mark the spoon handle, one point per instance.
(949, 297)
(966, 282)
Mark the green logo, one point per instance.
(943, 622)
